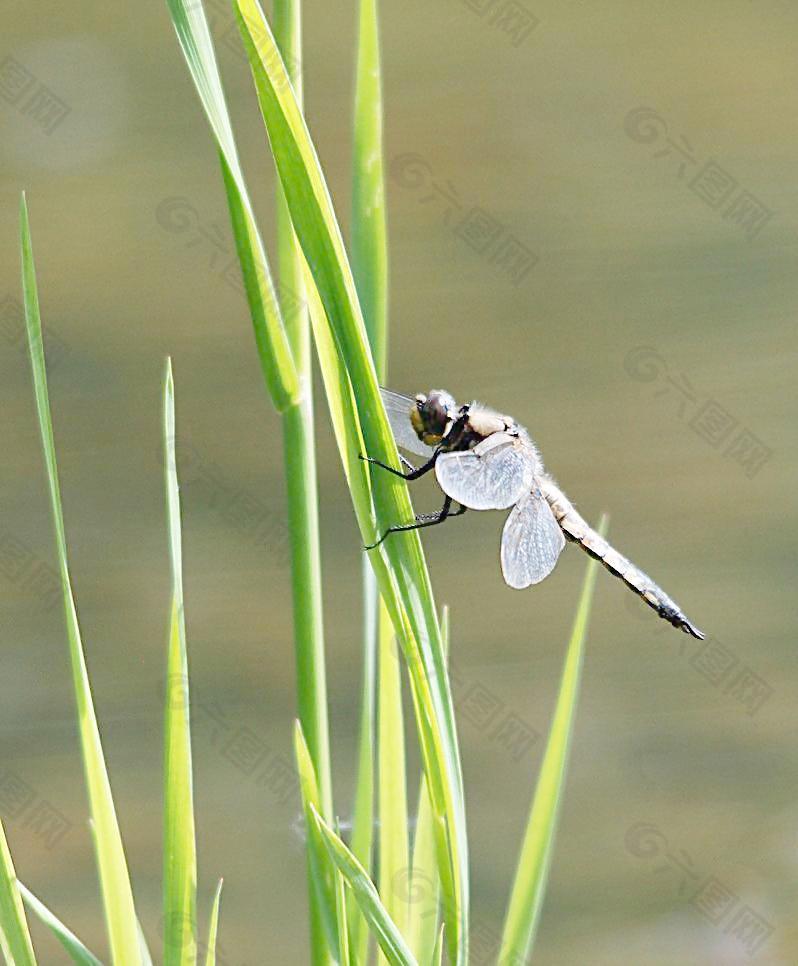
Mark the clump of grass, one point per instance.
(347, 310)
(355, 890)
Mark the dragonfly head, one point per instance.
(432, 416)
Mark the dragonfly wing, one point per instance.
(490, 477)
(532, 541)
(398, 408)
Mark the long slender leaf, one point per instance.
(529, 887)
(392, 780)
(437, 952)
(213, 926)
(363, 812)
(274, 351)
(281, 333)
(302, 492)
(321, 871)
(75, 949)
(369, 266)
(344, 958)
(369, 230)
(405, 586)
(385, 931)
(15, 939)
(120, 914)
(423, 885)
(180, 850)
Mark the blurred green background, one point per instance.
(650, 348)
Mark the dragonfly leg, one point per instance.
(414, 473)
(424, 520)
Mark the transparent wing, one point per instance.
(492, 476)
(531, 542)
(398, 408)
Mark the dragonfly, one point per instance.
(484, 460)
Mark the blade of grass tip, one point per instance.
(423, 885)
(400, 567)
(14, 935)
(146, 958)
(180, 850)
(385, 931)
(321, 872)
(274, 351)
(529, 887)
(213, 926)
(437, 952)
(391, 778)
(117, 894)
(369, 265)
(75, 949)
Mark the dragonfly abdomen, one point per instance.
(578, 531)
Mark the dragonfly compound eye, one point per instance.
(432, 415)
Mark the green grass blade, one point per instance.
(15, 939)
(385, 931)
(344, 958)
(369, 231)
(180, 851)
(437, 952)
(392, 780)
(400, 567)
(274, 351)
(120, 914)
(529, 887)
(75, 949)
(283, 348)
(363, 812)
(321, 873)
(423, 885)
(300, 463)
(348, 435)
(369, 266)
(213, 926)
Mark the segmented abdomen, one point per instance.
(580, 532)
